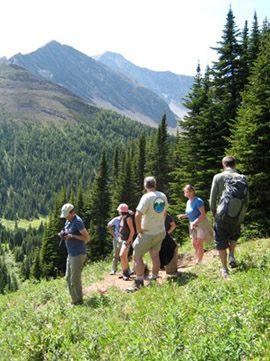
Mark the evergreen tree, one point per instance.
(139, 166)
(198, 141)
(25, 268)
(3, 275)
(126, 188)
(87, 206)
(53, 254)
(79, 204)
(150, 154)
(48, 250)
(251, 139)
(157, 156)
(100, 212)
(255, 40)
(161, 172)
(226, 77)
(36, 269)
(114, 182)
(265, 29)
(14, 283)
(244, 61)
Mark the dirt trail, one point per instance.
(186, 261)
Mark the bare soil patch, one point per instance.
(186, 262)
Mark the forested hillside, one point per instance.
(96, 160)
(50, 139)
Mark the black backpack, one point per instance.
(124, 231)
(232, 199)
(132, 215)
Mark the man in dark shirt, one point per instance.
(75, 237)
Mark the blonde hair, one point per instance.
(189, 187)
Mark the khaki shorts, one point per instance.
(124, 246)
(144, 242)
(197, 232)
(203, 230)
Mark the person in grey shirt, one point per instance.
(226, 233)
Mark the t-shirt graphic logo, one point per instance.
(159, 205)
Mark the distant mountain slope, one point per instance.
(49, 139)
(96, 83)
(171, 87)
(26, 97)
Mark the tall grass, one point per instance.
(197, 316)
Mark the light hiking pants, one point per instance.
(117, 244)
(73, 277)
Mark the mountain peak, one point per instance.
(167, 85)
(96, 83)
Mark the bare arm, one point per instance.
(131, 229)
(200, 218)
(83, 237)
(182, 216)
(111, 231)
(138, 221)
(172, 227)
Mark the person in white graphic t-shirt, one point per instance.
(150, 224)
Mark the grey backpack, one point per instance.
(232, 199)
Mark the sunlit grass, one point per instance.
(196, 317)
(23, 223)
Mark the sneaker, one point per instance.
(225, 272)
(112, 273)
(232, 262)
(146, 272)
(136, 286)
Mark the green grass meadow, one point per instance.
(197, 316)
(23, 223)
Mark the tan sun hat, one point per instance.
(66, 209)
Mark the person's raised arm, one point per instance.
(111, 230)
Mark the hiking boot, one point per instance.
(146, 272)
(136, 286)
(126, 275)
(232, 262)
(225, 272)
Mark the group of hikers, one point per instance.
(153, 225)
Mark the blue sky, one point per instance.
(162, 35)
